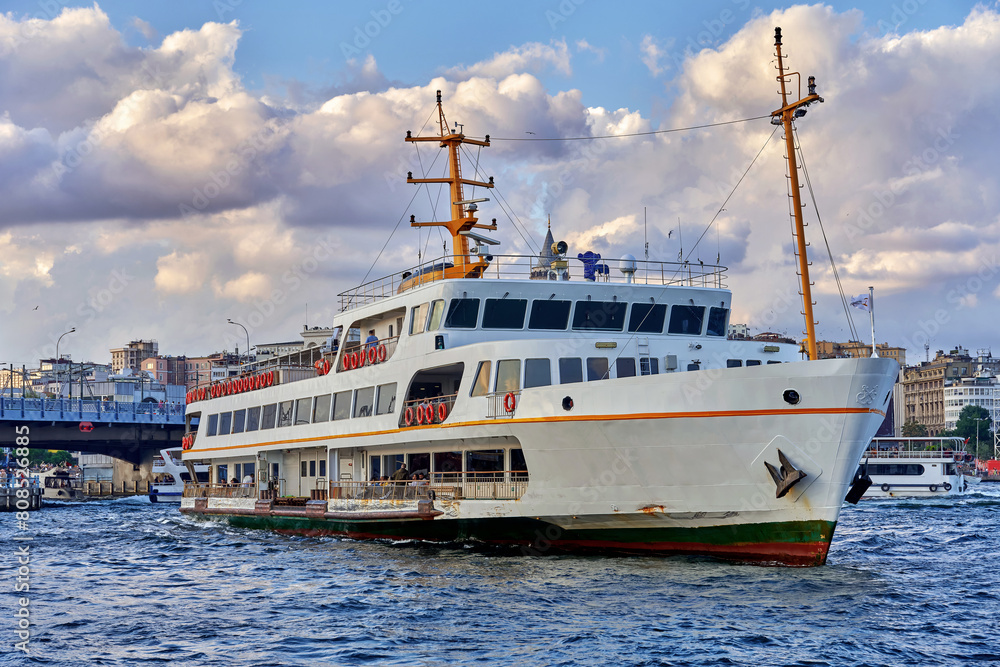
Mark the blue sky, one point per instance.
(117, 117)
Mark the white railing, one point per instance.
(520, 267)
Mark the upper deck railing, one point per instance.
(520, 267)
(916, 448)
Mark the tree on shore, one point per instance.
(975, 426)
(914, 429)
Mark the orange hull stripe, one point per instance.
(564, 418)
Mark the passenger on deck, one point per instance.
(372, 339)
(402, 474)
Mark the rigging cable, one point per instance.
(631, 134)
(826, 241)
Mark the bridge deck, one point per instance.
(77, 410)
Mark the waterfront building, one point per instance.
(924, 383)
(982, 391)
(132, 355)
(859, 350)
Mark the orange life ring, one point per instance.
(326, 366)
(319, 366)
(381, 353)
(442, 411)
(509, 402)
(270, 378)
(349, 360)
(372, 356)
(408, 416)
(420, 414)
(345, 362)
(359, 358)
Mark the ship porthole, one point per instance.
(567, 403)
(791, 397)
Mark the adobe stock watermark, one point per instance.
(962, 295)
(19, 481)
(363, 35)
(219, 181)
(901, 13)
(885, 199)
(97, 301)
(323, 249)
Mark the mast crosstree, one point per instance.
(463, 212)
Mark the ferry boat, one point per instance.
(170, 474)
(60, 484)
(548, 404)
(916, 467)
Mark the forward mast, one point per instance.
(784, 117)
(463, 218)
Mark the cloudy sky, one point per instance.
(165, 166)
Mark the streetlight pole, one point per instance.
(246, 332)
(58, 358)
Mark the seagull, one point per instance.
(670, 233)
(35, 308)
(526, 132)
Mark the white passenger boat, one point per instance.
(170, 475)
(550, 410)
(916, 467)
(59, 483)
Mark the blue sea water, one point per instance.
(129, 583)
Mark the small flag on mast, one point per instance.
(862, 303)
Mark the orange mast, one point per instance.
(463, 218)
(784, 116)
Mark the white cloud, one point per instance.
(286, 204)
(533, 57)
(651, 55)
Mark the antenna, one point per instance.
(927, 352)
(645, 239)
(680, 241)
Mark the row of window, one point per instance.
(449, 463)
(538, 372)
(361, 402)
(555, 315)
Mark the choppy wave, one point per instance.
(126, 582)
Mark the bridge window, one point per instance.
(550, 315)
(225, 423)
(508, 375)
(647, 318)
(537, 373)
(773, 362)
(386, 399)
(285, 409)
(342, 404)
(625, 367)
(504, 313)
(599, 316)
(462, 314)
(239, 420)
(481, 385)
(267, 416)
(303, 410)
(734, 363)
(597, 368)
(570, 370)
(753, 362)
(213, 424)
(717, 321)
(686, 320)
(649, 366)
(321, 411)
(437, 314)
(253, 418)
(418, 318)
(364, 398)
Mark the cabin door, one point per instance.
(345, 465)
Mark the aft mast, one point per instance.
(463, 218)
(784, 117)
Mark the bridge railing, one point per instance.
(90, 410)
